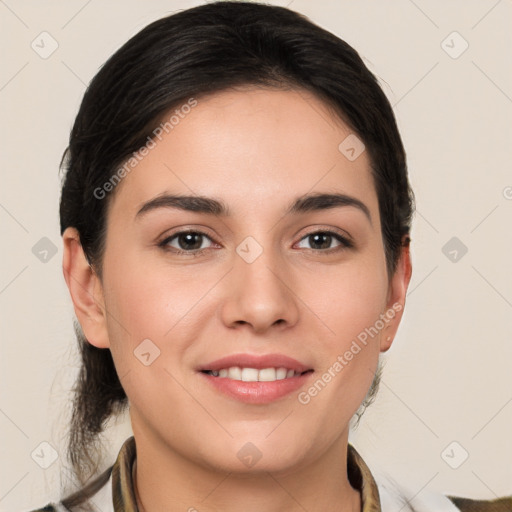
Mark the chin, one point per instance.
(245, 457)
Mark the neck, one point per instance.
(163, 480)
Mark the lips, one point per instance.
(256, 362)
(256, 379)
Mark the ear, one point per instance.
(397, 291)
(85, 289)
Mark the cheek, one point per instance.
(143, 306)
(166, 305)
(148, 298)
(348, 301)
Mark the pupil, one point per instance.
(186, 241)
(317, 240)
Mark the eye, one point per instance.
(324, 240)
(187, 242)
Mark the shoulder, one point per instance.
(99, 489)
(51, 507)
(497, 505)
(397, 496)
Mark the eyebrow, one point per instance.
(319, 201)
(198, 204)
(211, 206)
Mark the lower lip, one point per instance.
(257, 392)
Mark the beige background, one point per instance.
(447, 378)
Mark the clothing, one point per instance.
(113, 491)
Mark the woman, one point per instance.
(235, 216)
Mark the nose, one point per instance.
(259, 294)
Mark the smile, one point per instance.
(255, 379)
(254, 374)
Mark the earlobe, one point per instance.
(398, 285)
(85, 289)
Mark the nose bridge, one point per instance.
(260, 289)
(259, 269)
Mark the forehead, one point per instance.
(249, 146)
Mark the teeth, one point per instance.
(235, 373)
(267, 375)
(281, 373)
(250, 374)
(253, 374)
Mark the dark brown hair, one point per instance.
(194, 53)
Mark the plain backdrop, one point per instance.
(443, 418)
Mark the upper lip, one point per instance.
(257, 362)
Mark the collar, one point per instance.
(123, 494)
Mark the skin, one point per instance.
(257, 151)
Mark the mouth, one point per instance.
(248, 374)
(256, 379)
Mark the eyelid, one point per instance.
(345, 240)
(179, 230)
(163, 243)
(341, 233)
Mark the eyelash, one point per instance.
(345, 243)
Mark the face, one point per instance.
(279, 270)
